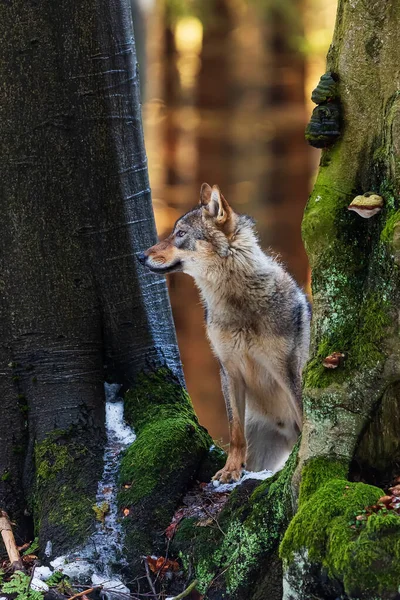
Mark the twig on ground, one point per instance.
(9, 542)
(186, 592)
(84, 592)
(149, 579)
(164, 563)
(35, 564)
(211, 516)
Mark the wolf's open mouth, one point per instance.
(163, 270)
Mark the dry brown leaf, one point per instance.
(204, 522)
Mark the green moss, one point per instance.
(155, 394)
(61, 497)
(318, 471)
(167, 430)
(158, 468)
(353, 274)
(101, 510)
(367, 559)
(160, 452)
(53, 454)
(374, 319)
(6, 476)
(353, 321)
(388, 230)
(354, 280)
(248, 531)
(359, 338)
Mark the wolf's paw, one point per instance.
(227, 475)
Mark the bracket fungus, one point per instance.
(334, 360)
(324, 126)
(326, 90)
(367, 205)
(323, 129)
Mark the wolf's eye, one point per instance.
(180, 233)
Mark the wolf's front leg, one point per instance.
(234, 394)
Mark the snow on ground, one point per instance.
(228, 487)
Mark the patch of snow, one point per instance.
(38, 585)
(43, 573)
(228, 487)
(113, 589)
(58, 562)
(115, 424)
(106, 542)
(48, 551)
(78, 570)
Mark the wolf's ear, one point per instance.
(205, 194)
(215, 204)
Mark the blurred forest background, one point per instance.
(226, 88)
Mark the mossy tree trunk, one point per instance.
(76, 307)
(352, 427)
(353, 260)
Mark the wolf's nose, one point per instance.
(141, 257)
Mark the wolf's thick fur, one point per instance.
(257, 322)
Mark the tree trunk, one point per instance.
(76, 307)
(351, 429)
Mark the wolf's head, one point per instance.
(198, 237)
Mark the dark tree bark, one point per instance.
(75, 305)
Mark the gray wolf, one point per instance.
(257, 321)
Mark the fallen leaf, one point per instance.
(385, 500)
(29, 558)
(170, 531)
(161, 565)
(204, 522)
